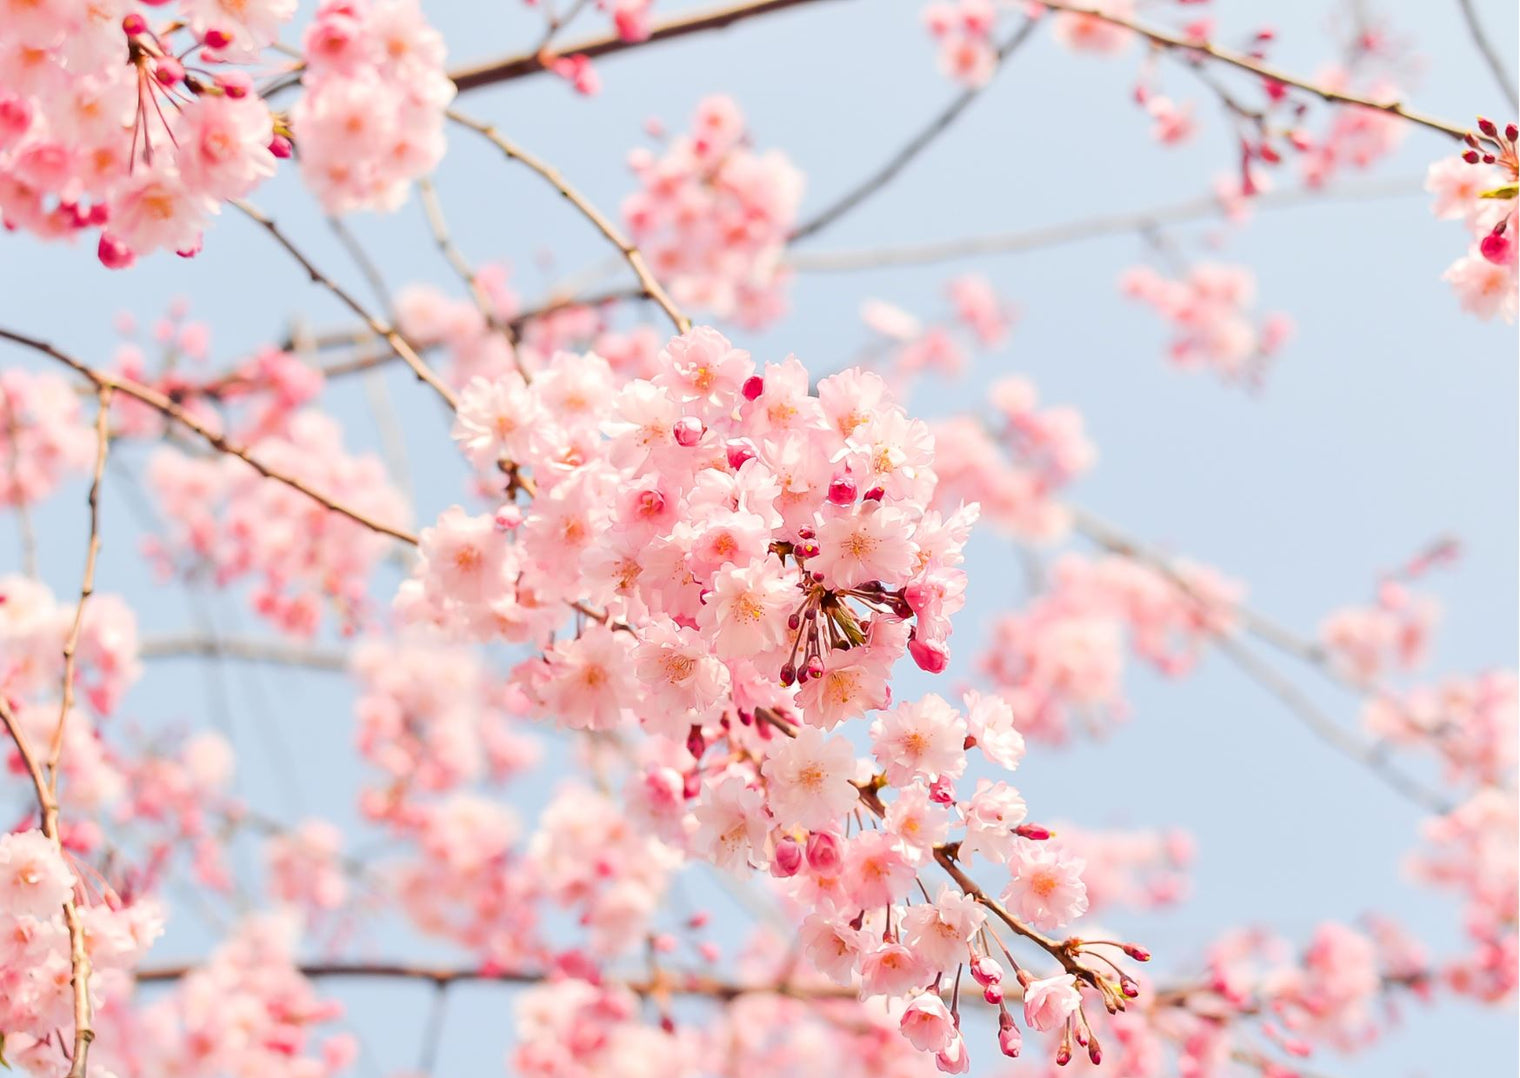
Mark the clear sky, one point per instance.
(1390, 419)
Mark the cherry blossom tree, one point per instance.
(688, 672)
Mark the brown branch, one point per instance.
(163, 404)
(914, 146)
(1486, 48)
(27, 536)
(631, 254)
(517, 67)
(1083, 229)
(79, 958)
(398, 343)
(87, 585)
(1167, 40)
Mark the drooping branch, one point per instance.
(160, 403)
(1490, 54)
(392, 337)
(275, 652)
(492, 72)
(1194, 209)
(1167, 39)
(631, 254)
(910, 150)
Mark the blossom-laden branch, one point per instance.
(160, 403)
(493, 72)
(1167, 39)
(630, 253)
(45, 777)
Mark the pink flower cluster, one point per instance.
(1063, 658)
(33, 627)
(1015, 467)
(979, 318)
(1392, 635)
(227, 519)
(712, 216)
(1209, 309)
(108, 124)
(44, 435)
(1479, 189)
(371, 119)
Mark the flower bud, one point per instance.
(280, 146)
(738, 453)
(985, 970)
(788, 858)
(754, 385)
(1488, 127)
(1033, 831)
(688, 431)
(1010, 1040)
(931, 658)
(114, 254)
(216, 39)
(134, 24)
(823, 852)
(842, 490)
(1137, 952)
(168, 71)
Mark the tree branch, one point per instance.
(1490, 54)
(534, 63)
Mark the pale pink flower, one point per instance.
(808, 779)
(1046, 888)
(1049, 1002)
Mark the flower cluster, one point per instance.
(227, 519)
(44, 435)
(979, 318)
(712, 216)
(371, 119)
(1479, 189)
(1209, 309)
(1063, 657)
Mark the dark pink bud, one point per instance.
(696, 744)
(280, 147)
(993, 993)
(688, 431)
(809, 549)
(823, 852)
(1488, 127)
(985, 970)
(168, 71)
(842, 490)
(942, 791)
(931, 658)
(875, 494)
(1495, 247)
(1033, 831)
(788, 858)
(691, 785)
(738, 453)
(134, 24)
(1095, 1053)
(1010, 1040)
(815, 667)
(1063, 1055)
(1129, 987)
(788, 675)
(1137, 952)
(806, 533)
(235, 83)
(754, 385)
(1472, 157)
(1511, 132)
(114, 254)
(216, 38)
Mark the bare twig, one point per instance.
(163, 404)
(398, 343)
(1086, 228)
(517, 67)
(275, 652)
(1490, 54)
(27, 536)
(1167, 40)
(630, 253)
(87, 585)
(914, 146)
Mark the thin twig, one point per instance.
(398, 343)
(914, 146)
(27, 535)
(516, 67)
(163, 404)
(275, 652)
(1168, 40)
(630, 253)
(1083, 229)
(1486, 47)
(87, 585)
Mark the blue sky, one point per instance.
(1388, 420)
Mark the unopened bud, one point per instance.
(985, 970)
(823, 852)
(1488, 127)
(738, 453)
(216, 39)
(134, 24)
(788, 858)
(696, 744)
(753, 387)
(168, 71)
(688, 431)
(1137, 952)
(842, 490)
(875, 494)
(1472, 157)
(280, 146)
(1033, 832)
